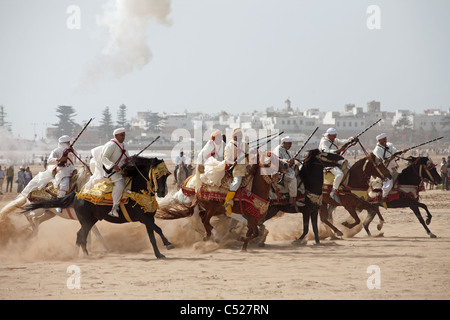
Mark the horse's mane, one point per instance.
(130, 170)
(310, 155)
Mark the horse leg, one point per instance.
(325, 215)
(252, 232)
(429, 216)
(151, 235)
(368, 220)
(206, 223)
(354, 215)
(416, 211)
(300, 241)
(36, 219)
(315, 228)
(163, 237)
(82, 234)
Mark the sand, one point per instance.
(402, 263)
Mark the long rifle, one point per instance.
(273, 136)
(133, 156)
(70, 148)
(419, 145)
(266, 137)
(355, 139)
(306, 142)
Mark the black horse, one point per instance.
(311, 174)
(421, 168)
(149, 174)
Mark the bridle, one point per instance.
(375, 164)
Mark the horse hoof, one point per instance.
(428, 221)
(300, 242)
(170, 246)
(432, 235)
(161, 256)
(379, 226)
(261, 244)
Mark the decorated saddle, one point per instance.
(328, 179)
(398, 191)
(49, 191)
(101, 194)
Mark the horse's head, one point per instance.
(325, 158)
(270, 164)
(374, 166)
(426, 169)
(148, 174)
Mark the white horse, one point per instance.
(36, 217)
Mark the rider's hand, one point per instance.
(116, 168)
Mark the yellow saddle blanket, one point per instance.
(101, 194)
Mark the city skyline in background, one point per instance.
(206, 57)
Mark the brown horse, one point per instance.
(358, 182)
(251, 204)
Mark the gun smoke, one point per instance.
(126, 49)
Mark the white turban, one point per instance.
(286, 139)
(64, 138)
(381, 136)
(119, 131)
(330, 131)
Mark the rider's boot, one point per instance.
(229, 201)
(114, 213)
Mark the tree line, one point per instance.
(67, 125)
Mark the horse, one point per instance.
(148, 176)
(358, 178)
(405, 192)
(38, 216)
(183, 172)
(251, 204)
(311, 175)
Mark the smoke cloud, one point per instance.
(126, 49)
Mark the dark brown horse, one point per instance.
(251, 204)
(411, 177)
(311, 175)
(358, 182)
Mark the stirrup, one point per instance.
(113, 212)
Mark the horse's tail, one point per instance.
(171, 210)
(13, 205)
(63, 202)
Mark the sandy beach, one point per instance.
(399, 262)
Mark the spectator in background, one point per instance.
(444, 170)
(28, 175)
(2, 177)
(9, 178)
(20, 179)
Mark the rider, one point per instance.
(180, 159)
(213, 148)
(290, 181)
(235, 154)
(62, 158)
(329, 143)
(113, 157)
(386, 151)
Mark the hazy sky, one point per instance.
(233, 55)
